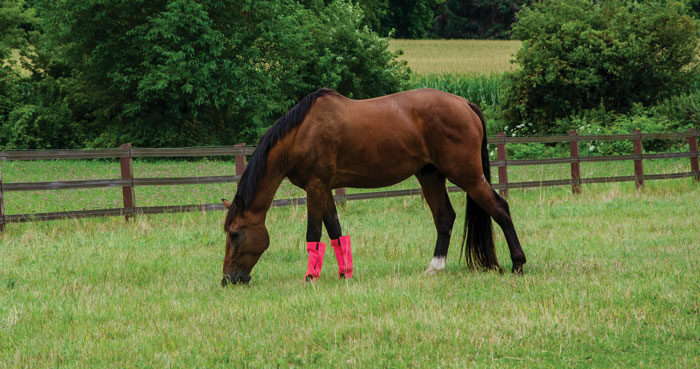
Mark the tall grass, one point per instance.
(480, 89)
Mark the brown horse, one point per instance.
(328, 141)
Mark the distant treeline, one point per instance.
(415, 19)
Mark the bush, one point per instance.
(601, 122)
(579, 55)
(682, 110)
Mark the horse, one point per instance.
(329, 141)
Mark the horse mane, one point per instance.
(258, 161)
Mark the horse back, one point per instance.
(380, 141)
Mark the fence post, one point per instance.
(638, 167)
(2, 204)
(240, 159)
(575, 165)
(341, 192)
(693, 145)
(502, 170)
(127, 169)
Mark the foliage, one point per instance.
(15, 19)
(410, 18)
(42, 120)
(184, 72)
(476, 18)
(647, 120)
(577, 55)
(440, 18)
(681, 110)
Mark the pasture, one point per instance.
(611, 281)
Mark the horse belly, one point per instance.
(378, 165)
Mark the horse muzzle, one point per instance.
(241, 278)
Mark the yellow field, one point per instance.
(16, 59)
(457, 56)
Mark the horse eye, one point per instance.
(234, 235)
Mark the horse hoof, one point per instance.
(517, 269)
(431, 271)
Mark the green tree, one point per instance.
(15, 19)
(476, 18)
(191, 72)
(612, 54)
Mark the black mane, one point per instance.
(256, 167)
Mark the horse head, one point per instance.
(246, 240)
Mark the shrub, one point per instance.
(602, 122)
(682, 110)
(40, 119)
(578, 55)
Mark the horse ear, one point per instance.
(227, 203)
(238, 201)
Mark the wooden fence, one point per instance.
(127, 182)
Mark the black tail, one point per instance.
(477, 239)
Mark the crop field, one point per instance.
(611, 281)
(457, 56)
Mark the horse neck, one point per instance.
(267, 188)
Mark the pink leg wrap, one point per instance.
(344, 256)
(316, 251)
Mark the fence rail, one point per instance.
(127, 182)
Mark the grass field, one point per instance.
(612, 276)
(457, 56)
(611, 281)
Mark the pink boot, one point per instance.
(344, 256)
(316, 251)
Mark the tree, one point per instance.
(476, 18)
(583, 54)
(14, 21)
(193, 72)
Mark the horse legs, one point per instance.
(498, 209)
(316, 203)
(433, 184)
(341, 244)
(330, 219)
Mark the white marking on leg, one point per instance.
(436, 265)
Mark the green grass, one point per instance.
(457, 56)
(611, 281)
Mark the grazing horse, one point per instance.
(329, 141)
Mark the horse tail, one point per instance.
(477, 239)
